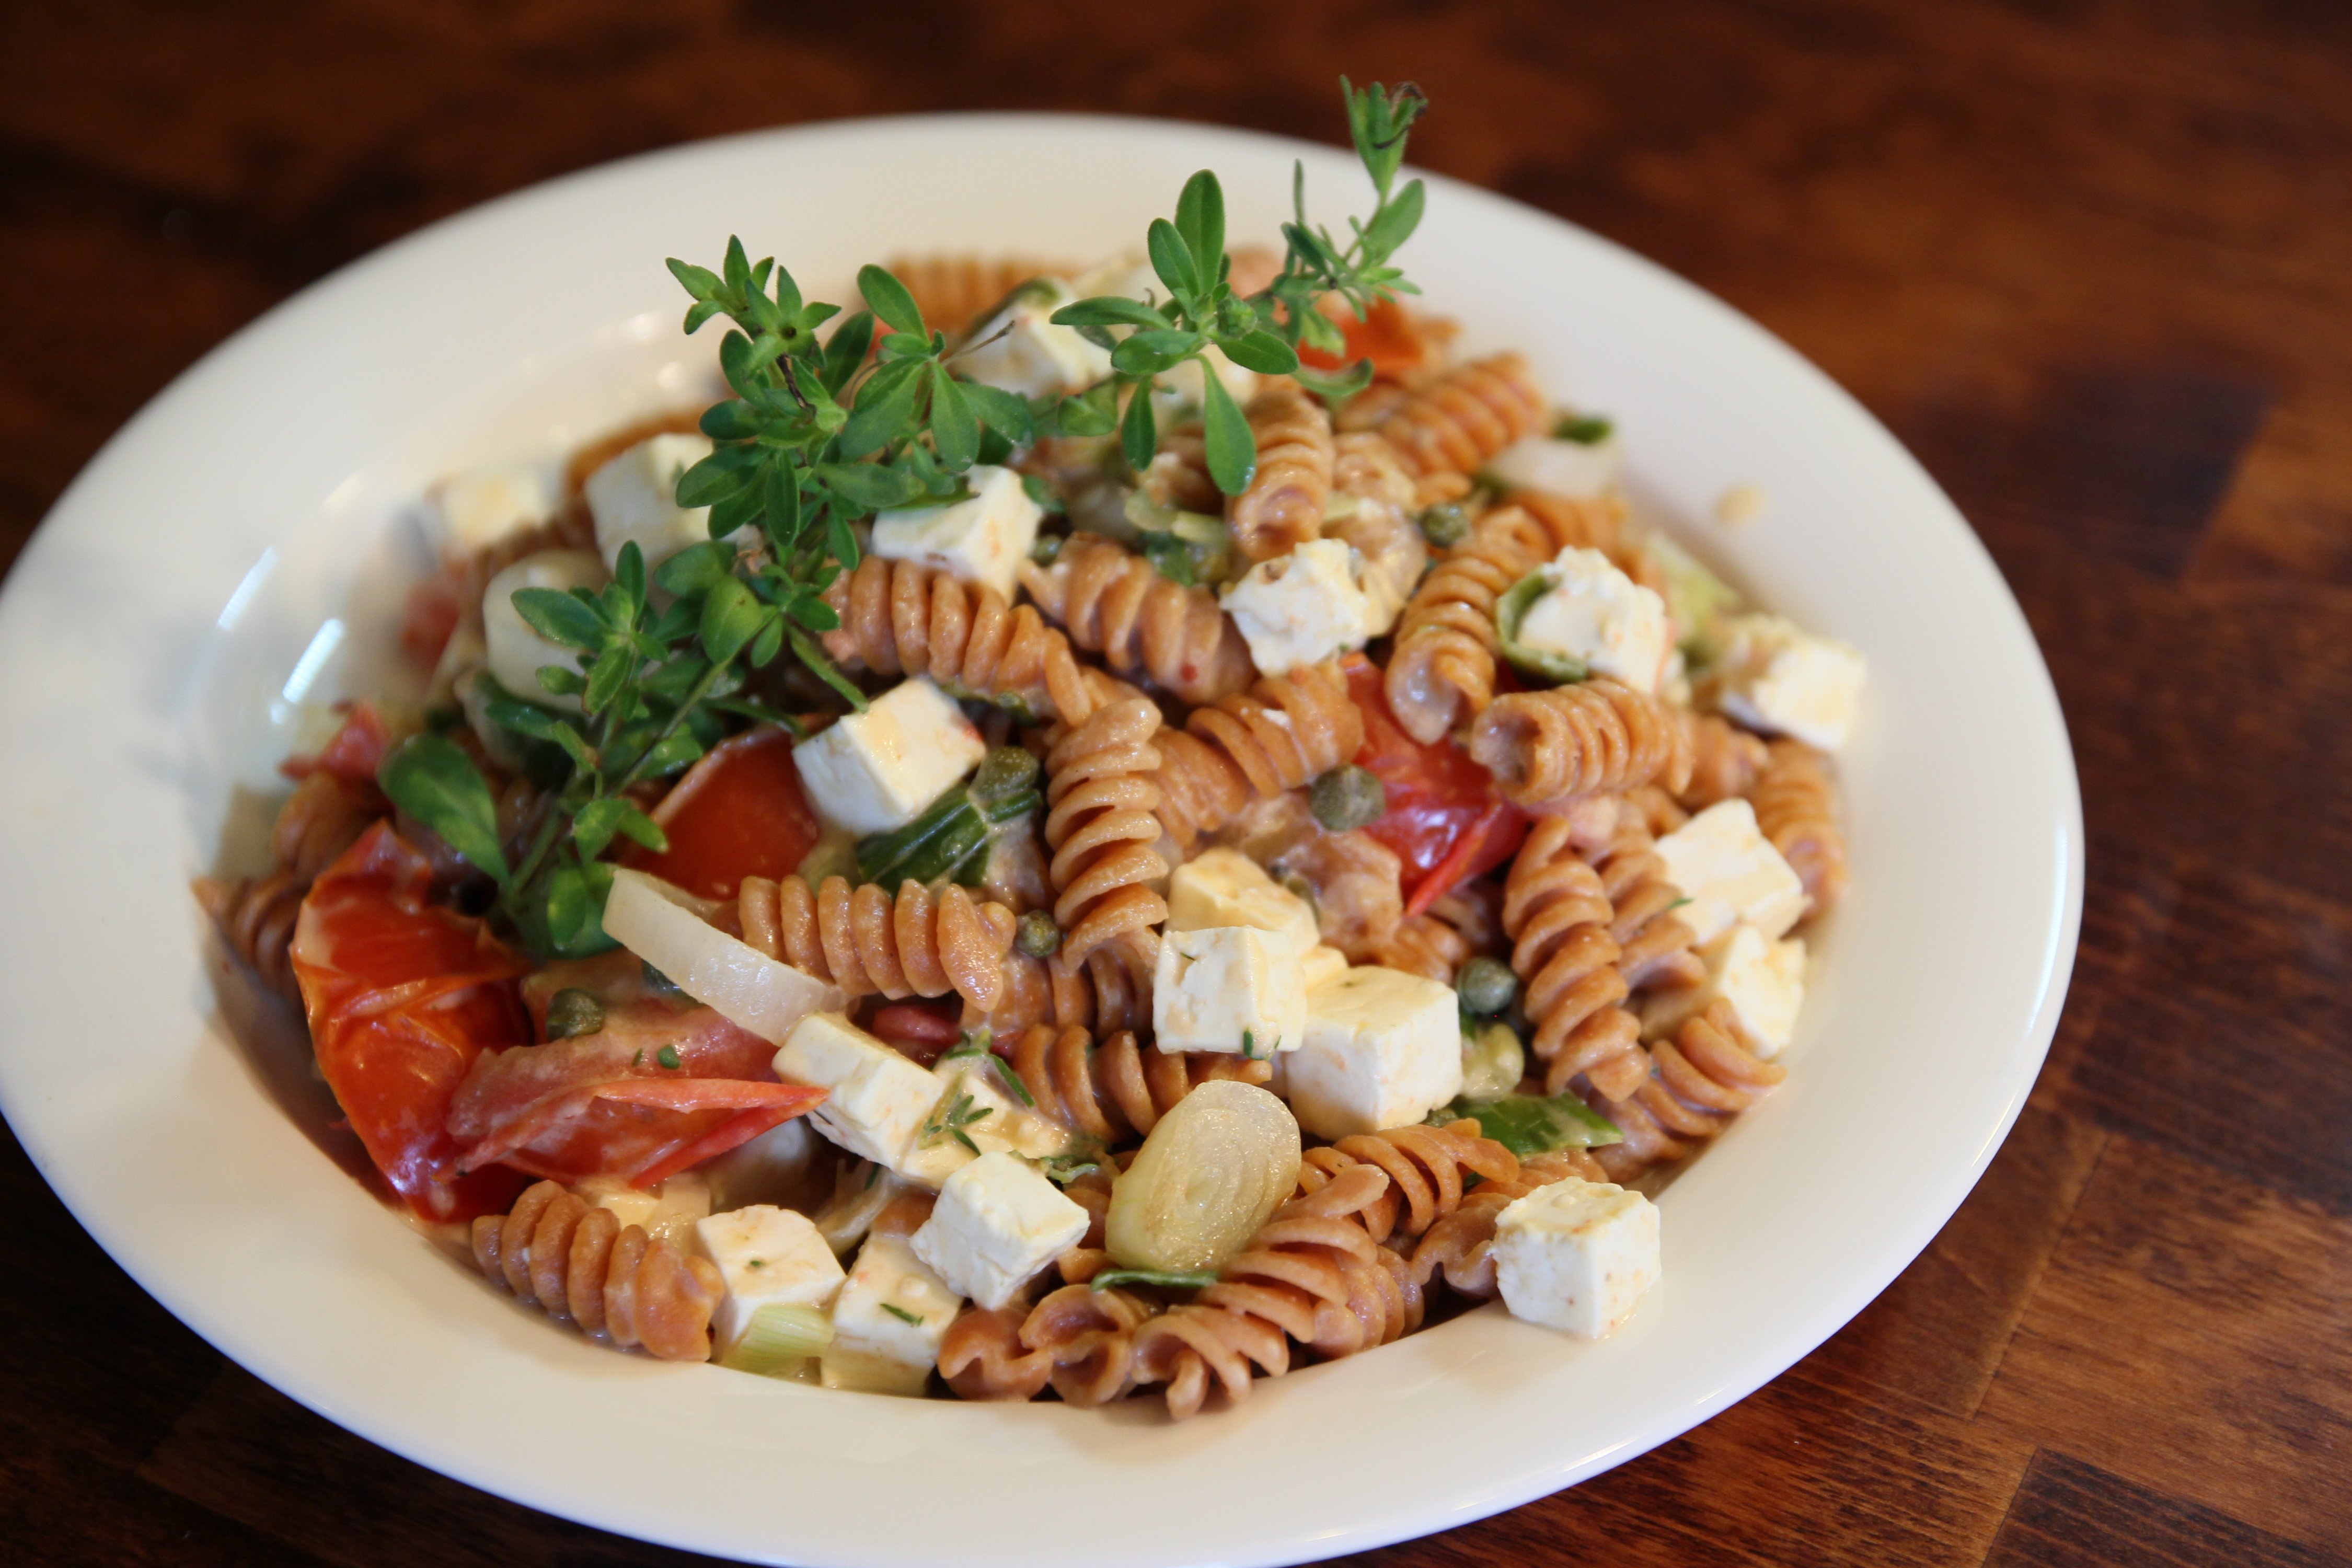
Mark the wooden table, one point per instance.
(2093, 265)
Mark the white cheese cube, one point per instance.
(1783, 679)
(1233, 989)
(872, 771)
(1020, 349)
(974, 1100)
(1303, 607)
(1763, 979)
(1225, 888)
(1726, 867)
(876, 1099)
(1579, 470)
(998, 1222)
(1576, 1256)
(668, 1213)
(635, 497)
(468, 512)
(512, 651)
(888, 1321)
(1383, 1048)
(1594, 612)
(1323, 962)
(767, 1257)
(776, 1167)
(982, 539)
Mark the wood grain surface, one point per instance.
(2092, 261)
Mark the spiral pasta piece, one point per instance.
(579, 1263)
(1460, 1247)
(866, 939)
(1282, 507)
(1284, 731)
(1426, 1167)
(1458, 926)
(982, 1356)
(1796, 801)
(1115, 603)
(1705, 1076)
(1087, 1339)
(1312, 1273)
(1577, 522)
(1559, 916)
(952, 288)
(324, 817)
(1102, 825)
(1441, 673)
(1725, 762)
(1458, 419)
(1655, 948)
(901, 617)
(1116, 1089)
(1597, 737)
(1178, 475)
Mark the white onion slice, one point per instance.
(661, 924)
(1212, 1171)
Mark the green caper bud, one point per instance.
(1292, 882)
(1048, 546)
(660, 985)
(1348, 797)
(1446, 524)
(1004, 772)
(1485, 987)
(1037, 935)
(573, 1011)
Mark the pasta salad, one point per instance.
(1109, 830)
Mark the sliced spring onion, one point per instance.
(951, 839)
(1560, 669)
(1166, 1278)
(1217, 1166)
(778, 1339)
(1529, 1124)
(1493, 1062)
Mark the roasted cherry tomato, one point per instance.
(661, 1086)
(1445, 820)
(403, 996)
(1388, 336)
(736, 813)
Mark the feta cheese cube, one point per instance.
(513, 652)
(1778, 678)
(1225, 888)
(888, 1321)
(1576, 1256)
(876, 1099)
(1323, 962)
(1730, 872)
(1763, 979)
(468, 512)
(1382, 1048)
(1594, 613)
(982, 539)
(635, 497)
(767, 1257)
(1303, 607)
(1579, 470)
(998, 1222)
(1020, 349)
(878, 770)
(668, 1213)
(1233, 989)
(972, 1097)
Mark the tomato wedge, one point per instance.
(403, 997)
(356, 751)
(1445, 820)
(736, 813)
(1388, 336)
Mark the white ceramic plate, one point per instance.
(166, 621)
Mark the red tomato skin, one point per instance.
(736, 813)
(1387, 335)
(356, 751)
(402, 997)
(1436, 794)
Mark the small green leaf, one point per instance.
(1165, 1278)
(430, 778)
(695, 569)
(1109, 310)
(1169, 556)
(888, 298)
(1006, 413)
(1172, 259)
(1138, 436)
(846, 350)
(1261, 352)
(725, 473)
(782, 515)
(885, 408)
(1231, 451)
(1394, 223)
(1094, 412)
(870, 487)
(699, 282)
(1528, 1125)
(955, 426)
(731, 618)
(1149, 354)
(1200, 220)
(563, 619)
(595, 823)
(574, 914)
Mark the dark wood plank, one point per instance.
(2069, 1514)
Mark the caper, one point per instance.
(1446, 524)
(1485, 987)
(1348, 797)
(658, 982)
(573, 1011)
(1048, 546)
(1037, 935)
(1004, 772)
